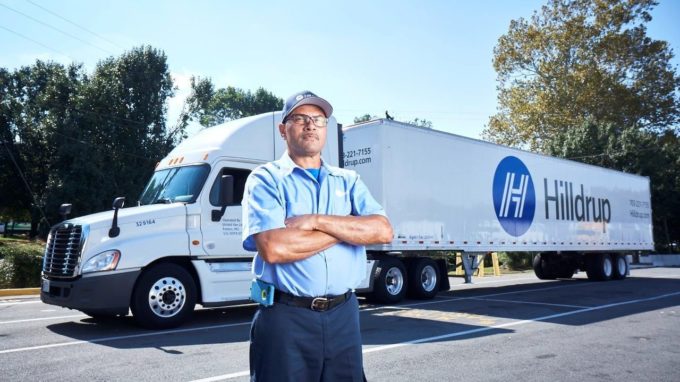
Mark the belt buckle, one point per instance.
(319, 304)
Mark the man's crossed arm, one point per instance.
(306, 235)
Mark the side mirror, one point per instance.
(64, 210)
(226, 197)
(118, 203)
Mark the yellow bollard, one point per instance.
(496, 267)
(459, 265)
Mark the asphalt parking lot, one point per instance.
(513, 327)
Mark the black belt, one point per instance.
(317, 304)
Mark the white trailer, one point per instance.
(181, 245)
(443, 192)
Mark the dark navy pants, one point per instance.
(289, 343)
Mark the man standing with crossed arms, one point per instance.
(309, 223)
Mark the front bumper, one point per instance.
(100, 293)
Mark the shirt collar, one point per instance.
(287, 165)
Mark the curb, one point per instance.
(19, 291)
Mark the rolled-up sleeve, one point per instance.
(363, 202)
(263, 209)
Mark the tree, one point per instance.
(417, 121)
(582, 60)
(364, 118)
(212, 107)
(36, 107)
(634, 151)
(421, 122)
(118, 135)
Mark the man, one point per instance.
(309, 223)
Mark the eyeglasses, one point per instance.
(303, 120)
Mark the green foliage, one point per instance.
(364, 118)
(582, 60)
(20, 264)
(212, 107)
(421, 122)
(515, 260)
(79, 138)
(417, 121)
(634, 151)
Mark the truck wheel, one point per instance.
(541, 267)
(164, 297)
(423, 282)
(620, 265)
(600, 267)
(390, 284)
(565, 270)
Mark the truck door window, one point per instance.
(240, 177)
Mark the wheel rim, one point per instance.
(607, 266)
(167, 297)
(621, 265)
(394, 281)
(428, 278)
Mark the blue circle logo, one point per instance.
(514, 197)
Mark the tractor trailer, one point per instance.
(181, 244)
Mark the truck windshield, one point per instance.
(179, 184)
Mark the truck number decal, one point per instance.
(142, 223)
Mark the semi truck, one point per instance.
(181, 244)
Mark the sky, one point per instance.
(417, 59)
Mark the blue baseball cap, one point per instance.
(306, 97)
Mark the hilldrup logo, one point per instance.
(514, 197)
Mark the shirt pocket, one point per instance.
(297, 208)
(342, 205)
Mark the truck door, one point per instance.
(223, 238)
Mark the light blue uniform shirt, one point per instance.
(281, 189)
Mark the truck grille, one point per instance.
(62, 252)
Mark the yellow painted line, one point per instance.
(19, 291)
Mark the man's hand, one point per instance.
(307, 222)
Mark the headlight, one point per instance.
(105, 261)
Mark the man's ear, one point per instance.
(282, 130)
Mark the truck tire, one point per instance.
(164, 297)
(423, 278)
(620, 265)
(390, 283)
(599, 267)
(541, 267)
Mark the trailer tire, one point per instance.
(164, 297)
(390, 283)
(565, 270)
(541, 267)
(600, 267)
(423, 282)
(620, 265)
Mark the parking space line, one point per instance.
(439, 300)
(468, 332)
(107, 339)
(516, 323)
(495, 282)
(42, 319)
(19, 303)
(528, 302)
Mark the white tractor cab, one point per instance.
(181, 244)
